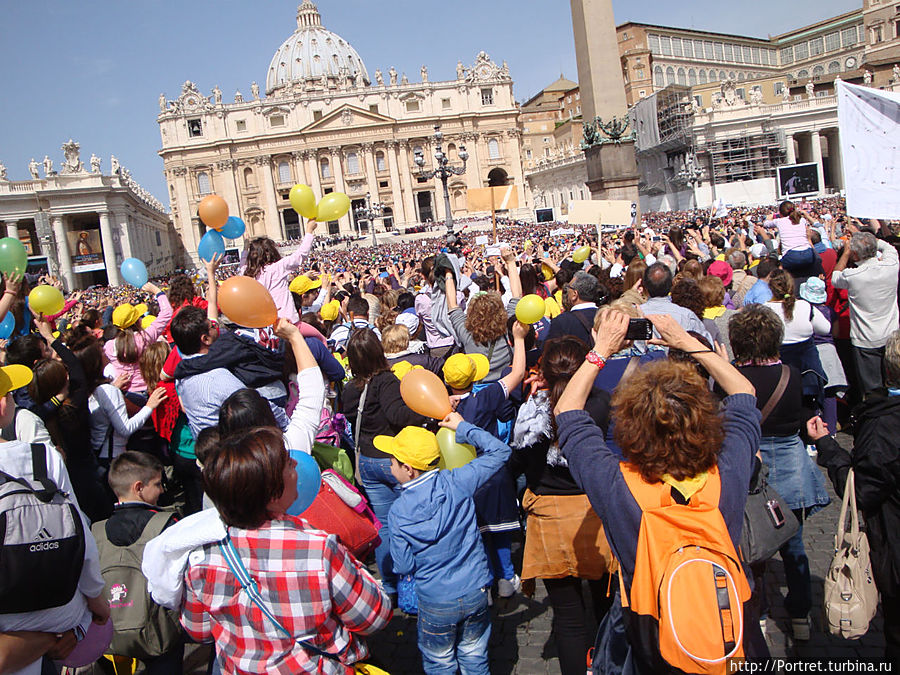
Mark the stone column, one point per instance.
(12, 229)
(597, 58)
(273, 217)
(312, 172)
(337, 168)
(128, 237)
(409, 204)
(400, 217)
(789, 149)
(63, 254)
(186, 220)
(109, 250)
(368, 150)
(836, 161)
(299, 167)
(473, 166)
(817, 158)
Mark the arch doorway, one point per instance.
(498, 177)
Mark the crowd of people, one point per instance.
(677, 365)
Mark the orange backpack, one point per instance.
(685, 610)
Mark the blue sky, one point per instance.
(93, 70)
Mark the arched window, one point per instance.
(325, 167)
(249, 181)
(493, 149)
(818, 71)
(284, 172)
(740, 77)
(682, 76)
(834, 67)
(732, 75)
(712, 76)
(670, 75)
(203, 184)
(417, 150)
(722, 75)
(702, 77)
(692, 77)
(803, 74)
(352, 163)
(379, 161)
(658, 80)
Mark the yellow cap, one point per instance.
(415, 446)
(15, 377)
(330, 310)
(125, 315)
(147, 321)
(401, 368)
(461, 370)
(303, 283)
(547, 271)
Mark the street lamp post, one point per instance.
(443, 170)
(370, 212)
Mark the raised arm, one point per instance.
(450, 290)
(212, 288)
(517, 373)
(515, 282)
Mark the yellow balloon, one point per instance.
(303, 200)
(45, 300)
(530, 309)
(332, 206)
(453, 454)
(581, 254)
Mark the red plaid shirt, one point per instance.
(310, 582)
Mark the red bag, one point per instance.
(356, 526)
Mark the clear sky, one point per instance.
(93, 70)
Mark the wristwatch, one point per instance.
(594, 358)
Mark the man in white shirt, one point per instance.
(872, 292)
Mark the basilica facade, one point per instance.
(324, 120)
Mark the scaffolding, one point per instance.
(674, 117)
(745, 157)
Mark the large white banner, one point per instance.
(869, 124)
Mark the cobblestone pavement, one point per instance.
(521, 640)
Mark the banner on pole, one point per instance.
(498, 198)
(869, 130)
(600, 212)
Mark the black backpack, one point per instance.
(41, 541)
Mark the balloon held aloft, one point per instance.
(211, 245)
(453, 454)
(303, 200)
(581, 254)
(425, 393)
(47, 300)
(7, 326)
(134, 272)
(213, 211)
(247, 302)
(332, 206)
(530, 309)
(234, 227)
(13, 257)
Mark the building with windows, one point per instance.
(325, 120)
(79, 223)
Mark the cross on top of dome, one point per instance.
(308, 15)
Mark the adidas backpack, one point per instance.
(141, 628)
(41, 541)
(685, 611)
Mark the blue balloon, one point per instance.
(233, 228)
(134, 272)
(309, 480)
(7, 326)
(211, 245)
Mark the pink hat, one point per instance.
(722, 270)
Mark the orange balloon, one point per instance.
(213, 211)
(425, 394)
(247, 302)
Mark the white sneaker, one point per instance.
(811, 450)
(506, 588)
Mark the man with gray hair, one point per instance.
(581, 296)
(741, 282)
(872, 292)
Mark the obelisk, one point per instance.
(611, 166)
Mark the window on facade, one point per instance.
(379, 161)
(720, 51)
(676, 47)
(487, 96)
(670, 75)
(642, 93)
(722, 75)
(249, 181)
(373, 108)
(658, 77)
(412, 105)
(712, 76)
(698, 49)
(692, 77)
(665, 44)
(818, 71)
(832, 41)
(352, 163)
(801, 51)
(877, 34)
(702, 77)
(240, 125)
(653, 44)
(445, 104)
(325, 168)
(740, 77)
(754, 55)
(276, 121)
(528, 154)
(708, 51)
(317, 115)
(848, 37)
(816, 46)
(777, 88)
(382, 183)
(682, 76)
(203, 185)
(803, 74)
(739, 92)
(688, 46)
(494, 149)
(745, 53)
(284, 172)
(834, 67)
(897, 26)
(158, 239)
(732, 75)
(195, 128)
(639, 73)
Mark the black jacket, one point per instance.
(577, 323)
(876, 464)
(251, 363)
(128, 521)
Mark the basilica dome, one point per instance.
(313, 52)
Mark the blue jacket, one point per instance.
(434, 535)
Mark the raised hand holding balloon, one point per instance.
(212, 245)
(247, 302)
(303, 200)
(13, 257)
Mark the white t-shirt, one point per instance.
(800, 328)
(107, 407)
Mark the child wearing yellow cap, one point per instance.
(434, 537)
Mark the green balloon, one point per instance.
(13, 258)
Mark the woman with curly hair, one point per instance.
(675, 442)
(263, 262)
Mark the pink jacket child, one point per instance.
(124, 352)
(263, 262)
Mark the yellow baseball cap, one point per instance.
(17, 376)
(461, 370)
(125, 315)
(401, 368)
(330, 310)
(147, 321)
(415, 446)
(303, 283)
